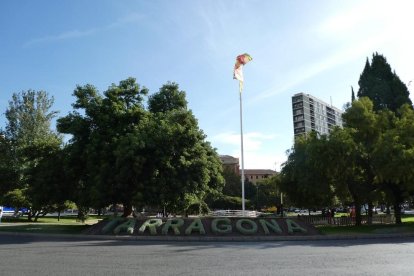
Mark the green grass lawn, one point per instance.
(48, 225)
(45, 228)
(53, 219)
(63, 220)
(407, 226)
(407, 218)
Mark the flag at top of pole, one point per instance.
(238, 68)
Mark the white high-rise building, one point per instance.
(313, 114)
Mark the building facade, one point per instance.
(313, 114)
(255, 176)
(230, 163)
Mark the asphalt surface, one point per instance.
(54, 255)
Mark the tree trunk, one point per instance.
(370, 207)
(29, 216)
(127, 210)
(358, 217)
(397, 213)
(388, 211)
(82, 213)
(115, 210)
(357, 204)
(398, 198)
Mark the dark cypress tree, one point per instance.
(353, 94)
(379, 83)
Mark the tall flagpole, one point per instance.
(242, 154)
(238, 75)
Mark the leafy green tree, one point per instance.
(304, 178)
(393, 157)
(97, 132)
(268, 194)
(186, 167)
(352, 94)
(362, 129)
(367, 157)
(75, 163)
(29, 121)
(232, 183)
(122, 153)
(29, 133)
(379, 83)
(388, 92)
(48, 177)
(346, 169)
(168, 98)
(8, 173)
(228, 202)
(16, 198)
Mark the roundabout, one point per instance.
(204, 227)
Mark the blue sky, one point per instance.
(317, 47)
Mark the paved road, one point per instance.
(57, 256)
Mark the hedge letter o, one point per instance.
(246, 231)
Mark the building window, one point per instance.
(298, 112)
(299, 124)
(298, 118)
(297, 99)
(298, 105)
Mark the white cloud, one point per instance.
(359, 30)
(270, 160)
(251, 141)
(303, 73)
(256, 154)
(369, 17)
(61, 36)
(129, 18)
(346, 20)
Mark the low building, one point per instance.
(231, 163)
(255, 176)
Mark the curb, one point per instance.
(213, 239)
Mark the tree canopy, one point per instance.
(304, 177)
(121, 152)
(383, 86)
(29, 139)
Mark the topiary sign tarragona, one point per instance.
(207, 226)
